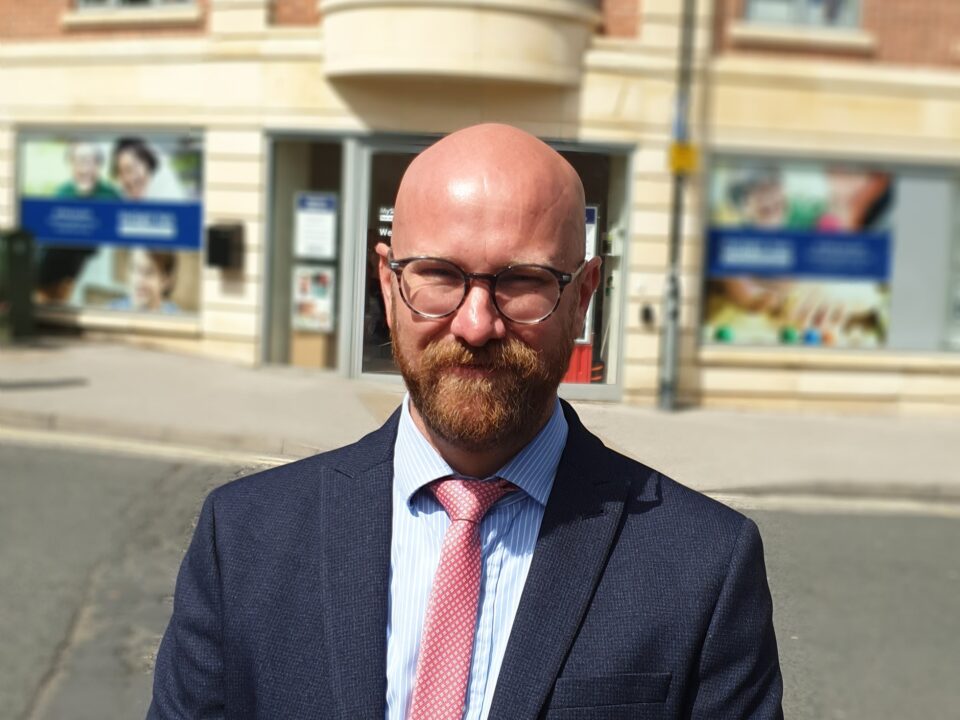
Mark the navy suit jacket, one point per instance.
(644, 598)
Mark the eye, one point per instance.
(433, 272)
(525, 279)
(437, 273)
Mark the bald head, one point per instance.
(497, 180)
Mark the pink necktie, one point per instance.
(443, 667)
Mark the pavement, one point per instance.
(116, 391)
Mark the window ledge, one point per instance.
(126, 17)
(838, 39)
(187, 325)
(880, 359)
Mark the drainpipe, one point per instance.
(682, 162)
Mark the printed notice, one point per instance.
(315, 226)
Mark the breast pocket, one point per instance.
(609, 696)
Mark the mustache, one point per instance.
(510, 354)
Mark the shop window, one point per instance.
(117, 218)
(804, 13)
(804, 254)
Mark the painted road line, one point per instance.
(80, 441)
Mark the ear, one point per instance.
(386, 281)
(589, 280)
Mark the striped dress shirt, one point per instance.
(508, 534)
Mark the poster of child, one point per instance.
(313, 298)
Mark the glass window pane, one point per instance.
(89, 4)
(831, 13)
(386, 170)
(604, 178)
(814, 13)
(779, 12)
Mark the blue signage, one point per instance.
(798, 254)
(157, 225)
(317, 202)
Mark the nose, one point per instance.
(477, 320)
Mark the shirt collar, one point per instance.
(416, 463)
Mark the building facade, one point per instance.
(853, 105)
(210, 176)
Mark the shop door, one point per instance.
(380, 166)
(306, 254)
(384, 165)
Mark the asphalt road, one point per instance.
(866, 602)
(89, 548)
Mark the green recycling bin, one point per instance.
(16, 284)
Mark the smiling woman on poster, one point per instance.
(133, 166)
(150, 276)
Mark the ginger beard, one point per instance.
(479, 412)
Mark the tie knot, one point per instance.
(469, 499)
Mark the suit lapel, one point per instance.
(354, 572)
(579, 525)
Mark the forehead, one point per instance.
(86, 152)
(486, 224)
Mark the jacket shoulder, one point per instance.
(296, 479)
(650, 489)
(678, 510)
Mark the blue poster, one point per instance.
(72, 222)
(798, 254)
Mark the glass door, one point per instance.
(382, 167)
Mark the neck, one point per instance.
(480, 463)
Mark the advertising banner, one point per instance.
(117, 218)
(798, 253)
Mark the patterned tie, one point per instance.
(443, 666)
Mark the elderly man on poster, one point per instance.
(481, 555)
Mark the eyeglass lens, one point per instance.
(525, 293)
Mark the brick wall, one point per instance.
(621, 18)
(907, 32)
(294, 12)
(41, 20)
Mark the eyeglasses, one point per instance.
(435, 288)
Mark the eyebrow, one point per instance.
(546, 263)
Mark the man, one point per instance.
(86, 165)
(481, 555)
